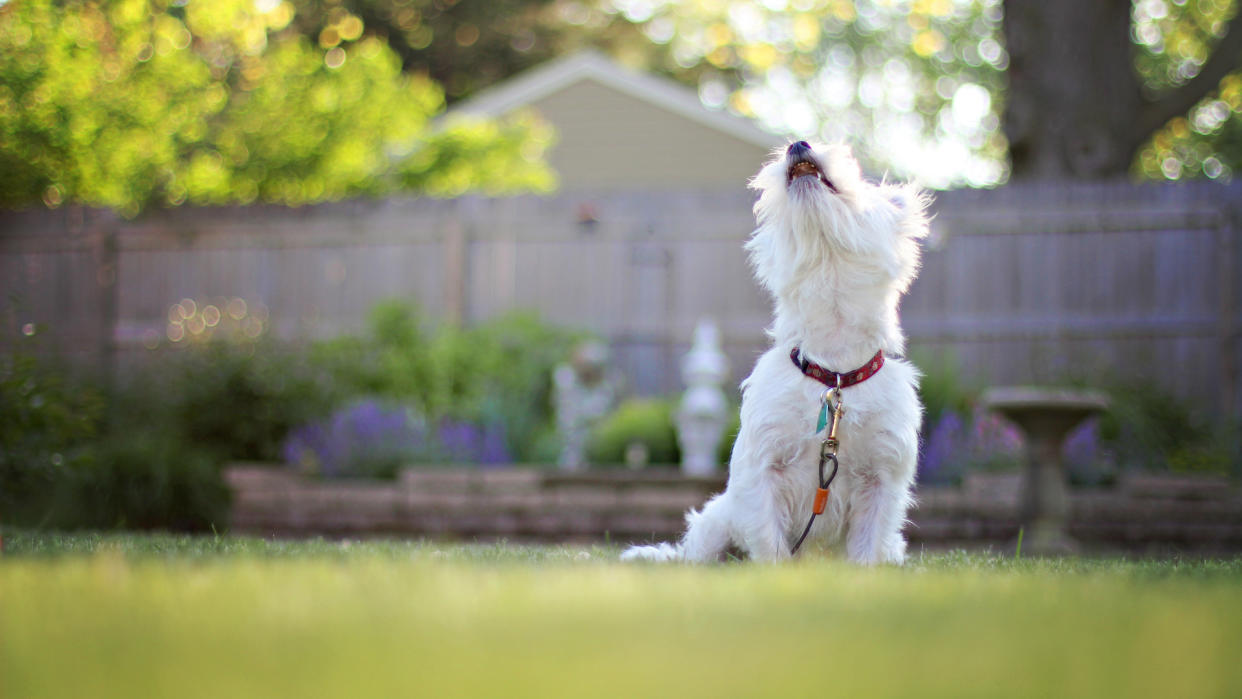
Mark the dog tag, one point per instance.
(823, 418)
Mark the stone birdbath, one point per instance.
(1046, 416)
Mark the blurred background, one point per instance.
(360, 238)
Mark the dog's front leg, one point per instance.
(877, 513)
(765, 523)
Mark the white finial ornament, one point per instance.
(703, 412)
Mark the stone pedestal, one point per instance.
(1045, 416)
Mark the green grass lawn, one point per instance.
(164, 616)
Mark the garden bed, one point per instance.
(1143, 512)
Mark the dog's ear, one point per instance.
(911, 204)
(763, 249)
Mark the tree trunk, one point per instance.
(1076, 106)
(1073, 91)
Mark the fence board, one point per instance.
(1020, 284)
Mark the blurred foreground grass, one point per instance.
(127, 616)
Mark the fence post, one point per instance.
(1227, 312)
(107, 280)
(456, 248)
(1227, 329)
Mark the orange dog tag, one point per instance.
(821, 501)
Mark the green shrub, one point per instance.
(645, 421)
(145, 480)
(147, 451)
(237, 401)
(942, 389)
(496, 374)
(515, 356)
(46, 419)
(1151, 429)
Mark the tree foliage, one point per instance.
(466, 46)
(922, 73)
(301, 100)
(1179, 42)
(922, 85)
(130, 103)
(911, 82)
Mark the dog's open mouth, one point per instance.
(806, 168)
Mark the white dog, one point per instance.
(836, 252)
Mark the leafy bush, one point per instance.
(1155, 430)
(46, 420)
(949, 444)
(644, 421)
(146, 480)
(64, 464)
(943, 390)
(1141, 429)
(147, 452)
(497, 374)
(238, 401)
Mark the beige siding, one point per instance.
(607, 139)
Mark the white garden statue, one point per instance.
(584, 393)
(704, 409)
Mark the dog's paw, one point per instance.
(658, 553)
(893, 554)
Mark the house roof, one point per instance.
(556, 75)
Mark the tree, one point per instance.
(922, 74)
(1077, 104)
(466, 46)
(1082, 88)
(910, 82)
(131, 103)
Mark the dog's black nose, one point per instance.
(799, 148)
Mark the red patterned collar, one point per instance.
(832, 379)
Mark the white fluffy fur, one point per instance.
(836, 264)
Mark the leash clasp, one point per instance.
(834, 404)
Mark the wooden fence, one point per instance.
(1020, 284)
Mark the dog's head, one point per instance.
(814, 205)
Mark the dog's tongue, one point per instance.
(804, 167)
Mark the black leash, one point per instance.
(827, 453)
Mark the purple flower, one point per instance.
(365, 438)
(466, 442)
(941, 457)
(993, 440)
(373, 439)
(1082, 445)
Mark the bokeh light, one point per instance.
(912, 83)
(204, 321)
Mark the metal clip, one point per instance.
(838, 409)
(828, 449)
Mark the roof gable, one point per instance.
(556, 75)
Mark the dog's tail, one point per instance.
(706, 538)
(657, 552)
